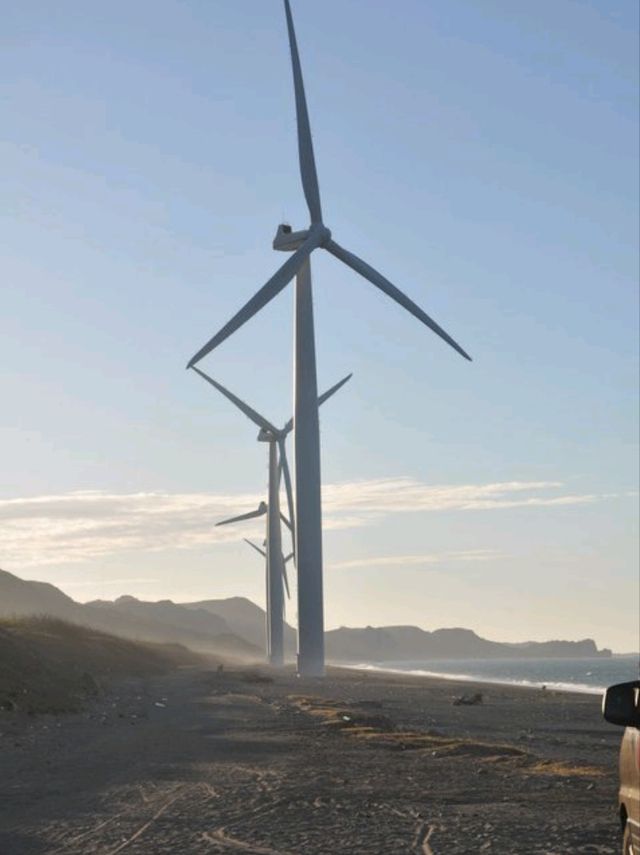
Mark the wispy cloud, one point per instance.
(77, 526)
(421, 560)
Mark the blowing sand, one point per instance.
(196, 762)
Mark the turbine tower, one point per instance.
(276, 438)
(308, 521)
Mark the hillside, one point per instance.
(167, 621)
(162, 622)
(18, 597)
(49, 665)
(247, 619)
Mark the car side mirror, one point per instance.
(621, 704)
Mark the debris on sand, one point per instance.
(257, 678)
(468, 700)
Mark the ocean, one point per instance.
(575, 675)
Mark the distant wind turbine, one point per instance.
(262, 552)
(308, 520)
(285, 579)
(276, 437)
(275, 566)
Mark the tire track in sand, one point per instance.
(149, 822)
(221, 838)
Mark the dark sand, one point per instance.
(194, 762)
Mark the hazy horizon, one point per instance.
(482, 156)
(79, 598)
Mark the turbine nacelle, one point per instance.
(265, 435)
(286, 240)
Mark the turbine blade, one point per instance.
(286, 578)
(284, 520)
(257, 548)
(305, 144)
(255, 417)
(324, 397)
(272, 288)
(261, 511)
(390, 290)
(284, 463)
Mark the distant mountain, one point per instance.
(127, 617)
(168, 613)
(562, 649)
(247, 619)
(236, 627)
(406, 643)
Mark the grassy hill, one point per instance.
(50, 665)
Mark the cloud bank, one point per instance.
(77, 526)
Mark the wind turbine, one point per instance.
(276, 438)
(285, 579)
(302, 244)
(260, 551)
(275, 575)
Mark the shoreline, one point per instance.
(470, 679)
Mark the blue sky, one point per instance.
(483, 155)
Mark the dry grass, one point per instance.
(49, 665)
(565, 770)
(380, 731)
(438, 745)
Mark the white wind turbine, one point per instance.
(285, 578)
(276, 438)
(285, 561)
(308, 520)
(274, 612)
(262, 552)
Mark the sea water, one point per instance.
(569, 675)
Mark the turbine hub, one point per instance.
(325, 234)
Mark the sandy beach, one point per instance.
(201, 762)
